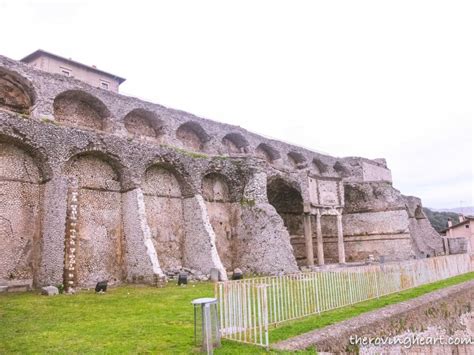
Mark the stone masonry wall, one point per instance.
(161, 189)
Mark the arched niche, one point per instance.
(288, 203)
(319, 167)
(143, 123)
(100, 227)
(16, 93)
(163, 194)
(21, 196)
(223, 215)
(341, 169)
(267, 152)
(297, 160)
(81, 109)
(235, 143)
(192, 135)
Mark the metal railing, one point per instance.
(247, 307)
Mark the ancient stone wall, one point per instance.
(20, 214)
(100, 228)
(161, 189)
(164, 213)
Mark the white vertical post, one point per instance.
(340, 240)
(308, 237)
(319, 240)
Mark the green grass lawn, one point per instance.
(139, 319)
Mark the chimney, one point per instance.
(461, 218)
(450, 223)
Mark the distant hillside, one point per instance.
(468, 210)
(439, 220)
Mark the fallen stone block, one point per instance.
(49, 291)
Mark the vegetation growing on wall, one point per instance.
(439, 220)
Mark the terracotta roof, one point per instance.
(41, 52)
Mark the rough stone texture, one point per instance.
(457, 245)
(380, 207)
(100, 236)
(264, 242)
(426, 240)
(224, 216)
(161, 190)
(164, 212)
(442, 308)
(200, 242)
(140, 253)
(49, 291)
(20, 204)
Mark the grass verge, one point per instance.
(139, 319)
(297, 327)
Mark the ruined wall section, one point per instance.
(427, 240)
(21, 194)
(100, 230)
(357, 169)
(376, 222)
(224, 215)
(128, 116)
(164, 212)
(263, 240)
(61, 118)
(112, 174)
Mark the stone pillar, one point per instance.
(70, 238)
(51, 269)
(141, 260)
(308, 237)
(200, 251)
(340, 240)
(319, 240)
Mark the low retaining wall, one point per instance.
(442, 308)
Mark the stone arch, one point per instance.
(341, 169)
(224, 215)
(99, 254)
(163, 194)
(81, 109)
(143, 123)
(21, 198)
(267, 152)
(40, 159)
(235, 143)
(297, 160)
(16, 92)
(192, 135)
(319, 166)
(288, 202)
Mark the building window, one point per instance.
(104, 85)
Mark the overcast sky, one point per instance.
(392, 79)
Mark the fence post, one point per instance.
(376, 284)
(265, 315)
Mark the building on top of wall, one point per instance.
(461, 230)
(54, 63)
